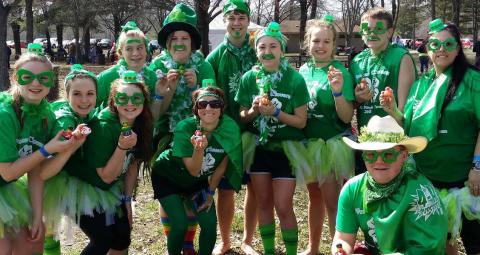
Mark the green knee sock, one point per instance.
(268, 238)
(290, 238)
(51, 246)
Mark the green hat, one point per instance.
(183, 18)
(130, 77)
(236, 5)
(328, 19)
(76, 70)
(435, 26)
(130, 25)
(208, 83)
(273, 30)
(35, 48)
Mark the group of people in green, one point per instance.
(244, 116)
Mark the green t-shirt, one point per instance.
(105, 79)
(229, 64)
(225, 140)
(379, 72)
(290, 93)
(448, 157)
(97, 149)
(412, 220)
(181, 105)
(323, 121)
(16, 140)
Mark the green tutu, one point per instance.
(69, 196)
(458, 201)
(15, 208)
(332, 157)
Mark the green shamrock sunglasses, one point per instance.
(379, 29)
(388, 156)
(450, 44)
(25, 77)
(122, 99)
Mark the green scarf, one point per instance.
(266, 81)
(35, 110)
(423, 119)
(181, 104)
(375, 191)
(243, 54)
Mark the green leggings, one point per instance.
(175, 209)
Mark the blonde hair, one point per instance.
(318, 23)
(130, 33)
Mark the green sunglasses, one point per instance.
(25, 77)
(388, 156)
(378, 30)
(450, 44)
(122, 99)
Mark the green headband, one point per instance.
(236, 5)
(436, 26)
(273, 30)
(35, 48)
(130, 77)
(76, 70)
(131, 25)
(207, 94)
(380, 137)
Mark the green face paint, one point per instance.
(269, 56)
(122, 99)
(236, 34)
(450, 44)
(388, 156)
(379, 29)
(133, 40)
(179, 47)
(25, 77)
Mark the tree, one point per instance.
(432, 10)
(351, 11)
(204, 16)
(276, 12)
(303, 22)
(4, 10)
(456, 5)
(313, 10)
(29, 17)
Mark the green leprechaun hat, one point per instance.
(273, 30)
(435, 26)
(35, 48)
(236, 5)
(184, 18)
(130, 77)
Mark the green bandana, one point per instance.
(423, 120)
(273, 30)
(243, 53)
(436, 26)
(76, 70)
(35, 48)
(265, 82)
(25, 77)
(376, 192)
(236, 5)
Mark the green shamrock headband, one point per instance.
(131, 25)
(328, 19)
(272, 30)
(35, 48)
(435, 26)
(76, 70)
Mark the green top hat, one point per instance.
(183, 18)
(236, 5)
(272, 30)
(328, 19)
(208, 83)
(435, 26)
(35, 48)
(130, 77)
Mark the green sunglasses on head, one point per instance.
(122, 99)
(388, 156)
(434, 44)
(379, 29)
(25, 77)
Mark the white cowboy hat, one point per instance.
(383, 133)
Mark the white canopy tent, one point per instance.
(217, 30)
